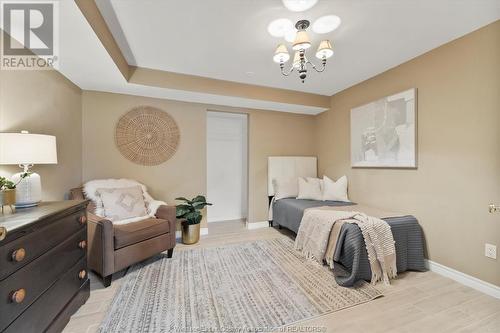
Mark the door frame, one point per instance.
(247, 165)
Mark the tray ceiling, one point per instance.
(228, 39)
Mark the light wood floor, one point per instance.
(415, 302)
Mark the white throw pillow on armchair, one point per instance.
(123, 203)
(90, 189)
(335, 191)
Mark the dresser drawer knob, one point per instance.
(82, 244)
(82, 219)
(82, 274)
(18, 296)
(18, 255)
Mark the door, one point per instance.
(227, 165)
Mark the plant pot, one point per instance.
(190, 233)
(8, 197)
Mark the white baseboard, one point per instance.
(465, 279)
(203, 232)
(226, 219)
(257, 225)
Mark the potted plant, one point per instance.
(189, 211)
(8, 191)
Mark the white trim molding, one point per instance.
(226, 220)
(203, 232)
(257, 225)
(465, 279)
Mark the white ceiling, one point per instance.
(226, 39)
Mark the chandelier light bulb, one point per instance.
(299, 5)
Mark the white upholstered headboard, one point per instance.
(289, 167)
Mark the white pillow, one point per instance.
(335, 191)
(310, 188)
(316, 180)
(122, 203)
(90, 189)
(285, 188)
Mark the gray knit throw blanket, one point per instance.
(319, 230)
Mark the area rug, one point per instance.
(251, 287)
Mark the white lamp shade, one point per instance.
(26, 148)
(325, 50)
(281, 54)
(302, 41)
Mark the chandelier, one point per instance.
(300, 45)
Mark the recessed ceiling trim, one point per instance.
(170, 80)
(178, 81)
(101, 29)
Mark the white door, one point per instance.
(227, 159)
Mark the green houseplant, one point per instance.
(8, 191)
(189, 211)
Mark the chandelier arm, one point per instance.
(283, 72)
(323, 67)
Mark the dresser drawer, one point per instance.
(21, 251)
(23, 287)
(43, 312)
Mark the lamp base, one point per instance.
(28, 191)
(21, 206)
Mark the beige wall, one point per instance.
(270, 133)
(45, 102)
(458, 171)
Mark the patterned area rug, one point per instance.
(257, 286)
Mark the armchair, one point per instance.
(112, 248)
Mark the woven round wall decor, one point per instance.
(147, 136)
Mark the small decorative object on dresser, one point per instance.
(189, 212)
(43, 266)
(26, 149)
(8, 191)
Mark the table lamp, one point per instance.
(26, 149)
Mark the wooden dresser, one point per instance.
(43, 266)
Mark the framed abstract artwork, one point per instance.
(384, 132)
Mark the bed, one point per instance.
(351, 258)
